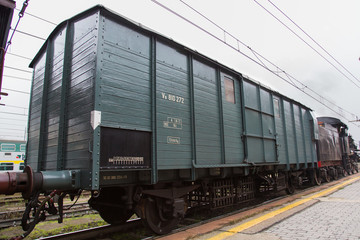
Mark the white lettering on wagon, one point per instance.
(126, 160)
(174, 123)
(173, 140)
(172, 98)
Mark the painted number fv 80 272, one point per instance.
(172, 98)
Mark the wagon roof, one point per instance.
(107, 12)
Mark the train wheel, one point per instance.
(114, 215)
(344, 173)
(348, 169)
(333, 173)
(336, 174)
(340, 171)
(354, 168)
(315, 178)
(326, 176)
(111, 205)
(290, 188)
(159, 216)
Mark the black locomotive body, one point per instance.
(333, 149)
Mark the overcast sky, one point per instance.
(333, 24)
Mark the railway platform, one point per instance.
(331, 211)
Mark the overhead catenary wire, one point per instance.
(40, 18)
(19, 78)
(278, 71)
(17, 55)
(17, 114)
(12, 119)
(245, 55)
(12, 106)
(12, 129)
(11, 124)
(291, 77)
(297, 35)
(16, 136)
(255, 53)
(318, 44)
(29, 34)
(17, 91)
(8, 107)
(18, 69)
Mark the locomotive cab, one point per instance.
(333, 148)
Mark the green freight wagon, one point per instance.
(153, 127)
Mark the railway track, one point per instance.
(11, 212)
(13, 218)
(11, 200)
(19, 199)
(95, 232)
(135, 228)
